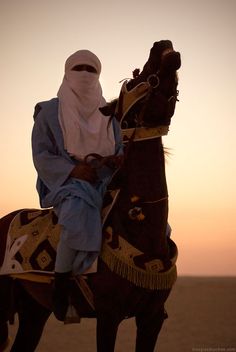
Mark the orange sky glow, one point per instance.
(37, 37)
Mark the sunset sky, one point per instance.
(36, 38)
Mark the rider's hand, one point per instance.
(84, 171)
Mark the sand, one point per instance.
(202, 318)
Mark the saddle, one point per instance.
(32, 238)
(31, 251)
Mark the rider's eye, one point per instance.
(87, 68)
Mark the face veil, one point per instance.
(85, 129)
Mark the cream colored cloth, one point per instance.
(85, 129)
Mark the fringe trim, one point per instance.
(149, 280)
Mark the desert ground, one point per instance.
(202, 318)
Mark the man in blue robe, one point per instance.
(66, 130)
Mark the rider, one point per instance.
(66, 130)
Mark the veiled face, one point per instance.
(83, 60)
(84, 67)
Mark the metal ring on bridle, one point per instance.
(151, 80)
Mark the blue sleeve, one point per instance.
(52, 162)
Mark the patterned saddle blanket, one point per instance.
(31, 249)
(33, 236)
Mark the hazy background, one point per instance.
(37, 37)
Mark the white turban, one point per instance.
(85, 129)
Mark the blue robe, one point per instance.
(77, 203)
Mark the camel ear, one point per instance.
(37, 110)
(171, 61)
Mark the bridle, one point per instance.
(138, 94)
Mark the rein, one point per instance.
(155, 201)
(111, 161)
